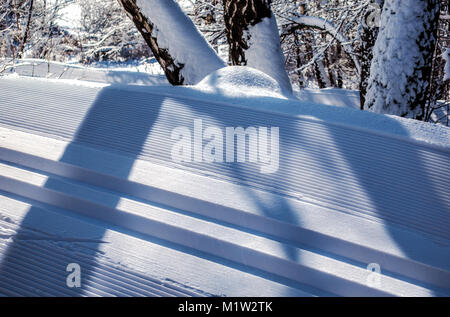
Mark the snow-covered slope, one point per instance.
(86, 177)
(145, 73)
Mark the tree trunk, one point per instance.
(400, 72)
(178, 46)
(368, 34)
(252, 34)
(322, 77)
(27, 29)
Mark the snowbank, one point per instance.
(240, 81)
(335, 97)
(139, 73)
(244, 86)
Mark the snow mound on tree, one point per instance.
(241, 81)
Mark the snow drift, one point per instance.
(235, 81)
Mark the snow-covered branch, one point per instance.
(324, 25)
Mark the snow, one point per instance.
(320, 23)
(263, 45)
(446, 57)
(248, 87)
(396, 70)
(121, 268)
(139, 73)
(70, 18)
(177, 33)
(176, 204)
(239, 81)
(335, 97)
(86, 177)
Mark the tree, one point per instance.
(318, 39)
(105, 33)
(438, 107)
(183, 53)
(368, 33)
(325, 26)
(401, 67)
(253, 37)
(27, 28)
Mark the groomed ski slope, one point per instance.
(86, 177)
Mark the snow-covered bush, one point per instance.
(106, 33)
(83, 30)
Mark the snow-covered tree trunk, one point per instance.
(401, 66)
(27, 29)
(368, 33)
(252, 34)
(321, 74)
(183, 53)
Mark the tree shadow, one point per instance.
(383, 179)
(406, 189)
(102, 125)
(33, 268)
(374, 168)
